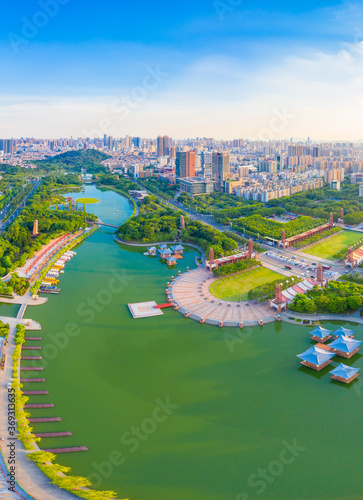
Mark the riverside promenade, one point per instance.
(190, 295)
(31, 483)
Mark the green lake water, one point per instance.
(9, 310)
(236, 398)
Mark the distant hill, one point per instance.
(75, 160)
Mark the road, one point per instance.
(17, 211)
(272, 263)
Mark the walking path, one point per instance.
(320, 317)
(191, 297)
(32, 483)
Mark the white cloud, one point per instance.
(215, 96)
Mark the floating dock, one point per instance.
(31, 380)
(144, 309)
(44, 420)
(46, 405)
(27, 348)
(33, 338)
(52, 434)
(66, 450)
(31, 368)
(36, 393)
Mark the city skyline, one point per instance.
(217, 69)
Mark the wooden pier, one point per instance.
(52, 434)
(66, 450)
(29, 358)
(31, 368)
(27, 348)
(44, 420)
(45, 405)
(33, 338)
(35, 393)
(31, 380)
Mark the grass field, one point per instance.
(237, 287)
(328, 248)
(88, 201)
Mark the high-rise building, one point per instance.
(224, 166)
(185, 164)
(163, 145)
(7, 146)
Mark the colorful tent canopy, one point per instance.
(345, 344)
(316, 356)
(344, 331)
(344, 371)
(321, 332)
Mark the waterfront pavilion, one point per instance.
(178, 249)
(151, 251)
(320, 334)
(316, 358)
(344, 373)
(163, 247)
(343, 331)
(171, 261)
(165, 253)
(345, 346)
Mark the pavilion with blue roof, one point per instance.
(151, 251)
(344, 373)
(165, 253)
(178, 249)
(345, 346)
(171, 261)
(164, 247)
(316, 358)
(343, 331)
(320, 334)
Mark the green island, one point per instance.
(87, 201)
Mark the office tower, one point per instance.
(136, 141)
(105, 141)
(185, 164)
(110, 143)
(224, 166)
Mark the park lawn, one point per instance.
(331, 246)
(87, 200)
(236, 287)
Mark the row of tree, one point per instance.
(256, 224)
(337, 298)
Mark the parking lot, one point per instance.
(297, 265)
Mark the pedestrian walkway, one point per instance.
(191, 297)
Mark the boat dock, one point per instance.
(52, 434)
(44, 420)
(45, 405)
(66, 450)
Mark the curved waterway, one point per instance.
(172, 410)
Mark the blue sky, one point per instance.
(226, 68)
